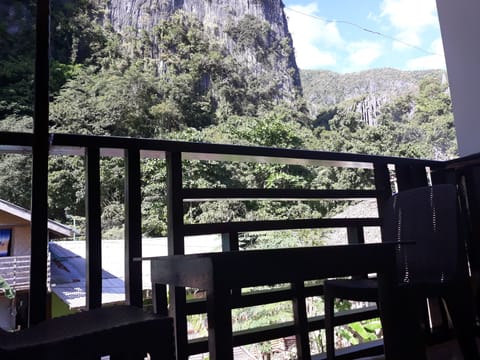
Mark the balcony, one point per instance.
(387, 174)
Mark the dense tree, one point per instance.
(15, 179)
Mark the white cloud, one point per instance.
(410, 14)
(312, 37)
(373, 16)
(312, 58)
(307, 27)
(427, 62)
(363, 53)
(407, 37)
(410, 18)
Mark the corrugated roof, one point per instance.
(68, 266)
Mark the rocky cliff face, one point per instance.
(218, 17)
(215, 14)
(364, 92)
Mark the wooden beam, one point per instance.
(93, 229)
(133, 228)
(176, 246)
(37, 304)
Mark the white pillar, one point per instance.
(460, 27)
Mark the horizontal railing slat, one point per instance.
(223, 152)
(265, 225)
(255, 298)
(282, 194)
(18, 265)
(73, 144)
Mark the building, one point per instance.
(15, 244)
(68, 269)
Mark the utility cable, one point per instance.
(378, 33)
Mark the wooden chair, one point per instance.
(123, 332)
(434, 264)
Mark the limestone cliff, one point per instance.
(218, 18)
(364, 93)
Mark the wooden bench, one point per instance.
(123, 332)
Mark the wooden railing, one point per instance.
(16, 271)
(406, 173)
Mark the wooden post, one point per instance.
(93, 229)
(37, 304)
(176, 246)
(409, 177)
(176, 241)
(301, 320)
(133, 228)
(230, 243)
(382, 184)
(355, 235)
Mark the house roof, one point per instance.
(55, 228)
(68, 266)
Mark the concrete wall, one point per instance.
(460, 27)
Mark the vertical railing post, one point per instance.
(300, 320)
(93, 229)
(382, 184)
(37, 304)
(383, 187)
(355, 235)
(443, 176)
(230, 243)
(467, 178)
(409, 177)
(133, 228)
(176, 241)
(176, 246)
(419, 175)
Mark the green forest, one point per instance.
(195, 90)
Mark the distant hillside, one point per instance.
(363, 92)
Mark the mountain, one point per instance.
(254, 32)
(364, 93)
(189, 63)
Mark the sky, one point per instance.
(351, 35)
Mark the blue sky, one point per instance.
(322, 43)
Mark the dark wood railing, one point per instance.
(407, 172)
(15, 270)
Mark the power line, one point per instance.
(378, 33)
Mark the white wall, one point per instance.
(460, 27)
